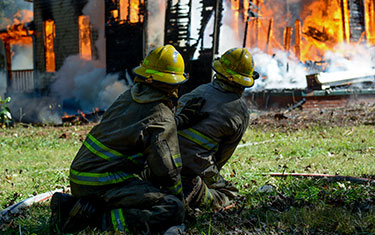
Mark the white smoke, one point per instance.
(278, 71)
(88, 83)
(351, 57)
(155, 24)
(230, 38)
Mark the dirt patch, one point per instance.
(361, 114)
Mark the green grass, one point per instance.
(35, 160)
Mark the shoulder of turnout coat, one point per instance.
(207, 146)
(138, 128)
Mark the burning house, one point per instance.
(323, 50)
(83, 51)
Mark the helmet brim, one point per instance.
(162, 77)
(239, 79)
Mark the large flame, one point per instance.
(85, 50)
(322, 28)
(49, 45)
(130, 11)
(307, 29)
(370, 21)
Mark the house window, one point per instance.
(85, 49)
(49, 40)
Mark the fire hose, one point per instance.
(4, 214)
(334, 177)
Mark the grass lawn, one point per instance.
(35, 160)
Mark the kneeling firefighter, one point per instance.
(207, 145)
(138, 130)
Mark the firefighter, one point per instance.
(138, 130)
(206, 146)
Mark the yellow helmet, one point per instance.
(236, 65)
(163, 64)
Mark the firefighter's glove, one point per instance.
(190, 113)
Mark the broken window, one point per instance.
(85, 49)
(49, 39)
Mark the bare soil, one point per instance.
(361, 114)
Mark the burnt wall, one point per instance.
(65, 15)
(124, 47)
(124, 40)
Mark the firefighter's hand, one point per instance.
(190, 113)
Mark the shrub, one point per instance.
(5, 114)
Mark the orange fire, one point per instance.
(318, 26)
(23, 16)
(130, 11)
(322, 29)
(245, 8)
(16, 32)
(235, 4)
(49, 45)
(85, 50)
(370, 21)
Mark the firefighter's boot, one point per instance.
(61, 204)
(83, 214)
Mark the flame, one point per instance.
(345, 16)
(311, 29)
(23, 16)
(85, 50)
(17, 32)
(235, 23)
(130, 11)
(322, 29)
(370, 21)
(49, 45)
(245, 9)
(235, 4)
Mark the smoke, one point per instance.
(280, 70)
(15, 12)
(86, 81)
(229, 36)
(95, 10)
(155, 24)
(351, 57)
(22, 58)
(9, 8)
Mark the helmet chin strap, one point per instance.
(227, 81)
(228, 85)
(170, 90)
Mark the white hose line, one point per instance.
(4, 214)
(255, 143)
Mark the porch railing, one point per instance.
(22, 80)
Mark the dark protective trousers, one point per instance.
(134, 206)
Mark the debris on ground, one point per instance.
(361, 114)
